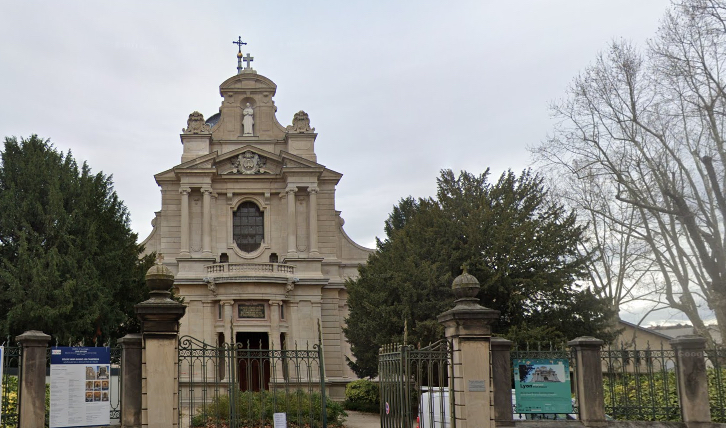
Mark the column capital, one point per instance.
(226, 302)
(313, 189)
(185, 190)
(275, 302)
(207, 190)
(290, 190)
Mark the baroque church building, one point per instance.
(249, 227)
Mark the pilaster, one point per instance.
(207, 221)
(313, 207)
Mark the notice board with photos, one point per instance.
(80, 387)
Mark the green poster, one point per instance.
(542, 386)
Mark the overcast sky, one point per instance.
(396, 90)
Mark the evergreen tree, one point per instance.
(520, 245)
(69, 262)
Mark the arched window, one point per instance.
(248, 227)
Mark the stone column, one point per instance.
(291, 222)
(32, 378)
(207, 221)
(160, 366)
(184, 226)
(131, 381)
(313, 221)
(227, 315)
(502, 381)
(691, 378)
(468, 328)
(588, 374)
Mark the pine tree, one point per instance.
(69, 262)
(519, 244)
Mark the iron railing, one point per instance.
(416, 383)
(716, 373)
(235, 385)
(11, 392)
(640, 384)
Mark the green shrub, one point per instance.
(362, 395)
(256, 409)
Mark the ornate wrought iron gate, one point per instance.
(235, 385)
(416, 383)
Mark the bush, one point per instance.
(256, 409)
(362, 395)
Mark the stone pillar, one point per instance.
(32, 378)
(588, 374)
(184, 226)
(691, 378)
(160, 366)
(131, 381)
(502, 381)
(291, 222)
(313, 221)
(207, 221)
(468, 327)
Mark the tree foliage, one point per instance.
(650, 122)
(520, 246)
(69, 262)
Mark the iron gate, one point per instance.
(416, 384)
(235, 385)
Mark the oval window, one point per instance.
(248, 227)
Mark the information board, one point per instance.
(542, 386)
(80, 381)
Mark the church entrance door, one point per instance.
(253, 361)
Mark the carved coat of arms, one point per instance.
(248, 162)
(300, 123)
(196, 124)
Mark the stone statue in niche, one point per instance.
(196, 125)
(247, 121)
(300, 123)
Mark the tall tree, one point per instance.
(69, 262)
(511, 236)
(652, 123)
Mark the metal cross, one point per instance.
(248, 59)
(239, 44)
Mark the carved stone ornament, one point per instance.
(248, 162)
(196, 125)
(300, 123)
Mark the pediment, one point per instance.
(248, 81)
(248, 161)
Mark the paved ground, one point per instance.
(362, 420)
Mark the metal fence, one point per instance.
(238, 385)
(10, 394)
(716, 373)
(640, 384)
(416, 383)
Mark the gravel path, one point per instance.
(362, 420)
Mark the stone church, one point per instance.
(249, 227)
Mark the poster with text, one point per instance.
(80, 390)
(542, 386)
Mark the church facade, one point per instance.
(249, 227)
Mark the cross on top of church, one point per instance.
(248, 59)
(239, 44)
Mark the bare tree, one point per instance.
(651, 123)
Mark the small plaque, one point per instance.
(477, 386)
(280, 420)
(251, 311)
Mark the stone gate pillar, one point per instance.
(502, 381)
(588, 372)
(32, 378)
(691, 378)
(468, 327)
(131, 380)
(160, 328)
